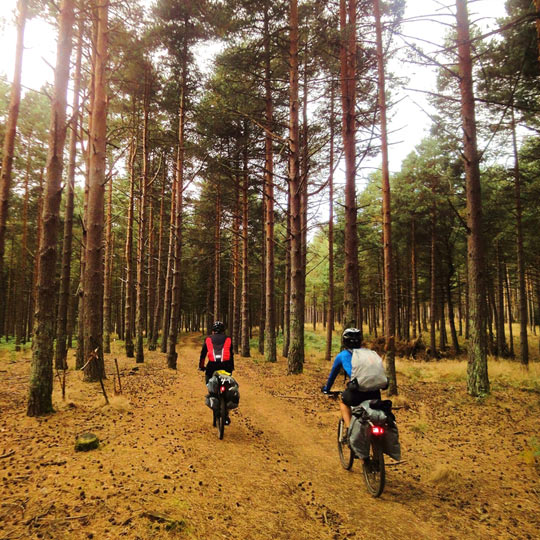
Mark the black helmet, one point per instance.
(352, 338)
(218, 327)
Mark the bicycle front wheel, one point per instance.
(221, 416)
(374, 472)
(346, 455)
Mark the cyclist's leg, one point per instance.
(345, 413)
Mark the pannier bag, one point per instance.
(232, 396)
(368, 370)
(359, 430)
(212, 402)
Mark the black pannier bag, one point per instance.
(232, 395)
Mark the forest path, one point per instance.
(281, 477)
(161, 471)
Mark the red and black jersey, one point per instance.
(218, 348)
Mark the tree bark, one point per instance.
(270, 331)
(93, 283)
(141, 241)
(65, 280)
(523, 342)
(287, 282)
(330, 316)
(433, 287)
(41, 376)
(128, 327)
(172, 355)
(296, 353)
(21, 317)
(160, 274)
(9, 146)
(170, 270)
(244, 330)
(390, 323)
(477, 372)
(347, 15)
(107, 277)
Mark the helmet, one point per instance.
(218, 327)
(352, 338)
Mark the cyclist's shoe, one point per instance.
(227, 421)
(345, 436)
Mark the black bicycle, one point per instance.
(372, 466)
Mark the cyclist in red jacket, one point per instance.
(218, 348)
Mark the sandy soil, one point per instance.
(161, 472)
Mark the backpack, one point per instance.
(368, 370)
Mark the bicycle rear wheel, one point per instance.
(346, 455)
(221, 416)
(374, 472)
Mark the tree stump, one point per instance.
(85, 442)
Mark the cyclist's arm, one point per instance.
(333, 373)
(204, 352)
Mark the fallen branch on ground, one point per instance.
(7, 454)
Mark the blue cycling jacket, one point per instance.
(343, 360)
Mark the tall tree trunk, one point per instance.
(236, 262)
(9, 146)
(523, 342)
(41, 375)
(141, 242)
(502, 346)
(174, 323)
(65, 280)
(93, 282)
(217, 256)
(415, 318)
(270, 331)
(21, 285)
(262, 297)
(453, 333)
(160, 274)
(170, 270)
(107, 277)
(296, 353)
(287, 282)
(387, 219)
(347, 16)
(510, 318)
(477, 372)
(128, 328)
(244, 328)
(330, 316)
(433, 287)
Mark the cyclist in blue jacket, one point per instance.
(352, 395)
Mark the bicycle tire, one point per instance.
(373, 469)
(346, 455)
(221, 416)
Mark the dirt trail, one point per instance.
(162, 472)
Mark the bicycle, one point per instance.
(373, 466)
(223, 395)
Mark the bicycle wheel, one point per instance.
(346, 455)
(221, 416)
(374, 474)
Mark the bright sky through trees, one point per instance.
(409, 120)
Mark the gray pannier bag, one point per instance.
(359, 433)
(368, 370)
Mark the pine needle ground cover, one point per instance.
(470, 466)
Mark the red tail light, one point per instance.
(377, 430)
(222, 389)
